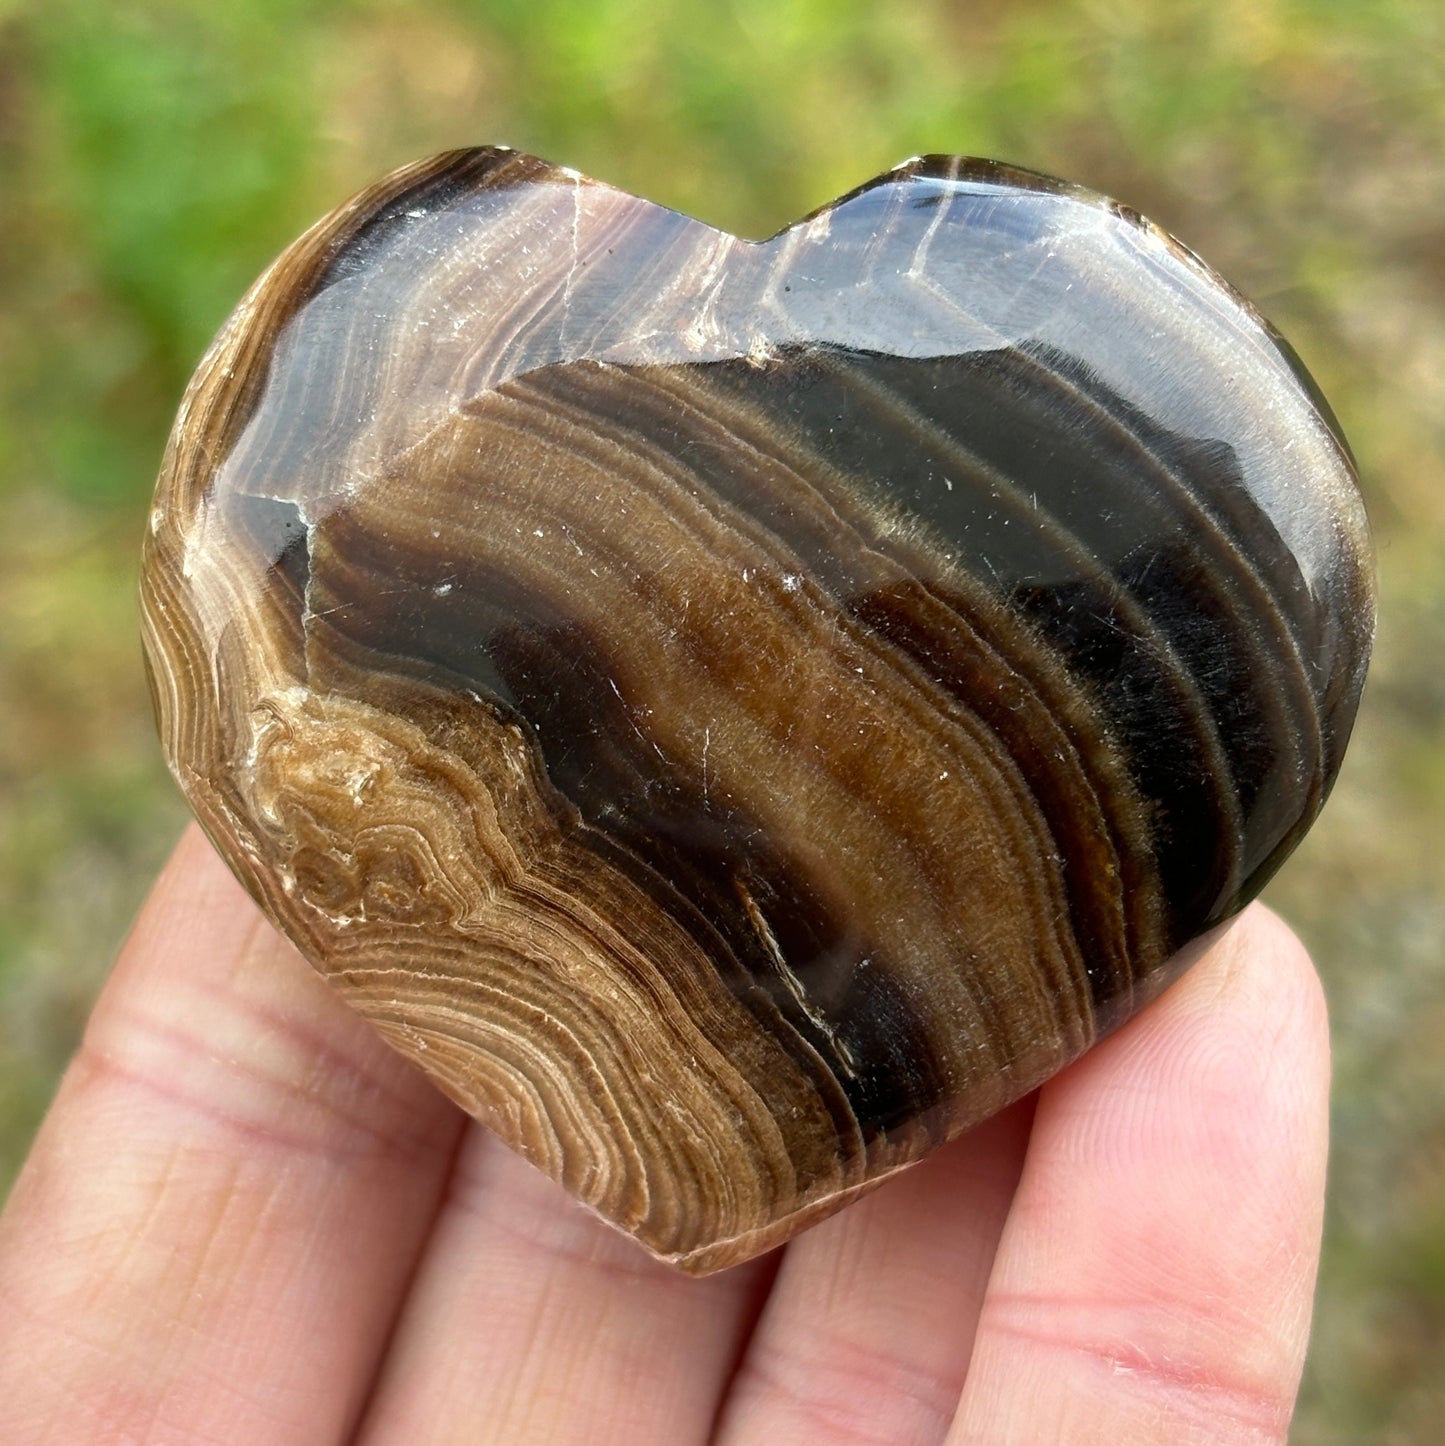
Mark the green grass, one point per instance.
(153, 156)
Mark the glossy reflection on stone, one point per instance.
(738, 714)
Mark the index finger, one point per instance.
(222, 1210)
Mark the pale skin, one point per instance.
(246, 1220)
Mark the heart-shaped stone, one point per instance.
(738, 714)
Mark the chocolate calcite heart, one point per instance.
(737, 714)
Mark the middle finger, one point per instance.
(531, 1320)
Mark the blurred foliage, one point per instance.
(154, 155)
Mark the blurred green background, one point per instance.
(153, 156)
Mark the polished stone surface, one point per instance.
(739, 713)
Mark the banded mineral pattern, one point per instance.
(739, 713)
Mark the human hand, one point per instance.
(247, 1220)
